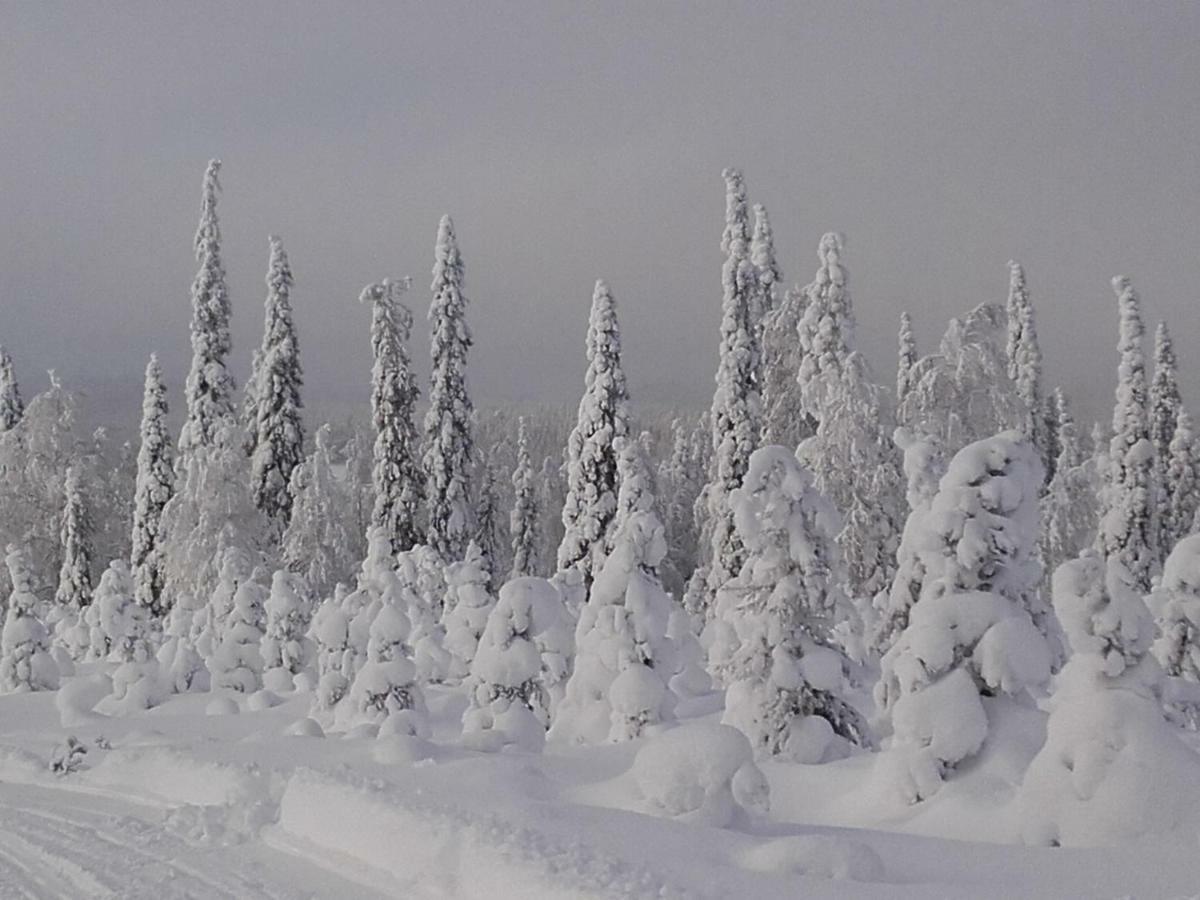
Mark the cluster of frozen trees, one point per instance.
(816, 538)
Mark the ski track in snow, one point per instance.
(58, 844)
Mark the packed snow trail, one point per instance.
(67, 844)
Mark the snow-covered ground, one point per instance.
(188, 801)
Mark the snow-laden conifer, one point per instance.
(970, 634)
(784, 419)
(278, 445)
(1165, 402)
(906, 358)
(1128, 525)
(449, 447)
(826, 330)
(1070, 508)
(769, 275)
(468, 604)
(25, 660)
(319, 541)
(592, 481)
(523, 521)
(396, 476)
(237, 661)
(487, 518)
(210, 388)
(155, 485)
(785, 608)
(74, 590)
(1181, 484)
(735, 418)
(11, 405)
(1025, 357)
(286, 648)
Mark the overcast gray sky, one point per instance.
(572, 141)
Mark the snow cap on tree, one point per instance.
(449, 448)
(11, 405)
(278, 445)
(762, 255)
(210, 388)
(592, 480)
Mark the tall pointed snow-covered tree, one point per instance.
(1165, 402)
(155, 485)
(397, 479)
(278, 429)
(449, 447)
(523, 520)
(1181, 485)
(319, 541)
(210, 387)
(1025, 357)
(1128, 529)
(1070, 508)
(487, 519)
(603, 417)
(769, 275)
(826, 330)
(11, 405)
(736, 414)
(75, 536)
(906, 358)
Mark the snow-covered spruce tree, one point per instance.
(1128, 526)
(970, 634)
(785, 676)
(237, 661)
(826, 331)
(1070, 508)
(1050, 414)
(679, 483)
(278, 429)
(735, 418)
(1112, 769)
(385, 689)
(468, 603)
(318, 543)
(857, 466)
(286, 649)
(523, 521)
(210, 388)
(449, 448)
(330, 631)
(769, 275)
(487, 518)
(603, 417)
(1175, 604)
(155, 485)
(624, 660)
(906, 358)
(924, 465)
(510, 701)
(396, 472)
(25, 660)
(1165, 402)
(75, 536)
(1181, 484)
(125, 624)
(1025, 358)
(11, 405)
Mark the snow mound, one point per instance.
(400, 749)
(77, 698)
(817, 855)
(700, 773)
(305, 728)
(263, 699)
(222, 706)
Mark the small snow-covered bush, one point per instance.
(286, 650)
(1112, 769)
(386, 685)
(702, 774)
(237, 662)
(25, 660)
(1175, 603)
(468, 604)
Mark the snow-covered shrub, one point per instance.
(624, 659)
(317, 543)
(1175, 603)
(700, 773)
(424, 574)
(509, 702)
(330, 631)
(970, 633)
(779, 621)
(25, 660)
(237, 662)
(286, 649)
(179, 661)
(1112, 768)
(468, 605)
(386, 685)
